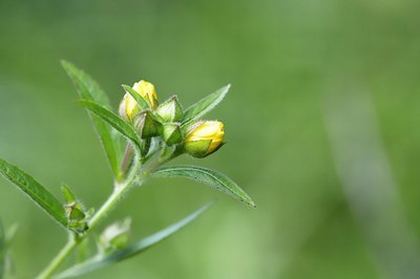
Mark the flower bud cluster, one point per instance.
(166, 121)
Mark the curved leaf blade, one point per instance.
(112, 119)
(2, 251)
(139, 99)
(212, 178)
(205, 105)
(101, 261)
(35, 191)
(88, 89)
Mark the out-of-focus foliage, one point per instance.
(2, 251)
(282, 57)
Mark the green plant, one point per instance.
(153, 134)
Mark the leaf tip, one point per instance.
(65, 64)
(248, 201)
(252, 204)
(226, 89)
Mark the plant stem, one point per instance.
(110, 203)
(59, 259)
(119, 191)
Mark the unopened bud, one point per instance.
(172, 133)
(148, 91)
(75, 212)
(76, 217)
(129, 107)
(204, 138)
(171, 110)
(116, 236)
(147, 125)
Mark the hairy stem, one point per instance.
(127, 160)
(59, 259)
(120, 189)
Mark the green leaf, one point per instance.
(101, 261)
(205, 105)
(85, 85)
(3, 251)
(212, 178)
(68, 194)
(139, 99)
(112, 119)
(88, 89)
(35, 191)
(11, 233)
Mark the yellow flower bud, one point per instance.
(129, 107)
(148, 91)
(204, 138)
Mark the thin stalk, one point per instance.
(109, 204)
(127, 160)
(117, 195)
(59, 259)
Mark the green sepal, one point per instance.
(198, 149)
(77, 217)
(167, 152)
(170, 110)
(172, 133)
(216, 149)
(143, 104)
(68, 195)
(145, 146)
(75, 212)
(147, 125)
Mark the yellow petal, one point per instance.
(148, 91)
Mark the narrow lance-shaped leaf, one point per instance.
(112, 119)
(205, 105)
(85, 85)
(2, 251)
(35, 191)
(212, 178)
(11, 233)
(88, 89)
(139, 99)
(6, 237)
(101, 261)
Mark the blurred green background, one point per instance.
(284, 59)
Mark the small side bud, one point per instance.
(74, 210)
(147, 125)
(171, 110)
(172, 133)
(68, 194)
(76, 217)
(115, 236)
(204, 138)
